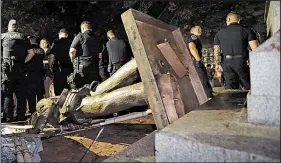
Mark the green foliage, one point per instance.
(45, 18)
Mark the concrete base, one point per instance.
(141, 151)
(264, 98)
(217, 136)
(264, 109)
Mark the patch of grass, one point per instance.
(217, 90)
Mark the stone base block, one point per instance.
(140, 151)
(217, 136)
(265, 68)
(263, 109)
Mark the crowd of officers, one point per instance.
(30, 68)
(231, 54)
(74, 63)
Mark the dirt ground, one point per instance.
(113, 139)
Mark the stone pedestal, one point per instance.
(217, 136)
(140, 151)
(227, 135)
(263, 101)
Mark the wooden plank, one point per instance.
(148, 79)
(151, 36)
(179, 105)
(172, 59)
(195, 80)
(166, 90)
(189, 97)
(139, 16)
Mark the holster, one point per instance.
(71, 79)
(78, 70)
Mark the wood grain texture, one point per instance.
(166, 90)
(147, 77)
(172, 59)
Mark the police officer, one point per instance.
(195, 47)
(103, 63)
(117, 51)
(16, 52)
(35, 72)
(84, 53)
(255, 35)
(233, 42)
(59, 61)
(48, 75)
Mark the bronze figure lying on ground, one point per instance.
(119, 92)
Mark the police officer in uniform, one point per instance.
(103, 64)
(17, 51)
(35, 73)
(233, 42)
(84, 53)
(59, 61)
(195, 47)
(117, 51)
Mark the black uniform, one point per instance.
(47, 72)
(199, 66)
(86, 62)
(62, 65)
(118, 54)
(103, 63)
(255, 35)
(233, 41)
(15, 48)
(34, 81)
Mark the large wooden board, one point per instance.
(172, 59)
(167, 92)
(145, 33)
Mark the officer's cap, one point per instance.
(63, 30)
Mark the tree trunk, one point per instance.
(115, 101)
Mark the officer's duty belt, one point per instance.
(81, 59)
(234, 56)
(120, 62)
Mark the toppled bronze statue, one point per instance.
(119, 92)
